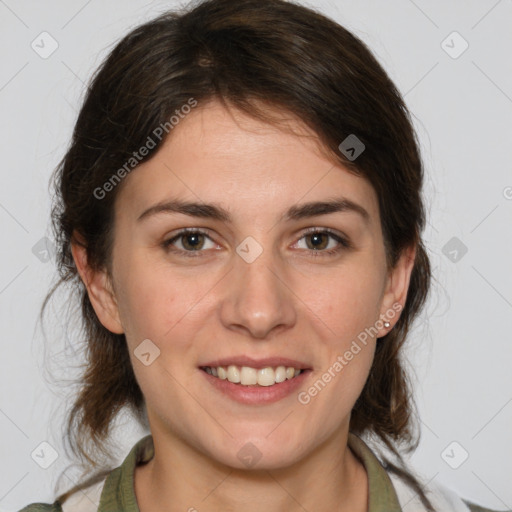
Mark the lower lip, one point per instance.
(256, 395)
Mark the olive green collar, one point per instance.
(119, 492)
(382, 496)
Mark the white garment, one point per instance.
(86, 500)
(442, 498)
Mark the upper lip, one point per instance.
(257, 363)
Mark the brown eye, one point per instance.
(189, 241)
(324, 242)
(192, 241)
(317, 241)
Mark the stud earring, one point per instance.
(387, 325)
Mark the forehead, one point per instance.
(228, 157)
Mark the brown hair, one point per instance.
(249, 54)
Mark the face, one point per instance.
(258, 280)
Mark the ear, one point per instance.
(396, 289)
(99, 289)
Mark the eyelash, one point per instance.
(343, 242)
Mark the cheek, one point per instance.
(151, 302)
(346, 301)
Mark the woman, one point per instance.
(241, 210)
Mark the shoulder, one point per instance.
(108, 490)
(442, 497)
(83, 500)
(452, 498)
(42, 507)
(473, 507)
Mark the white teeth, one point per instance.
(280, 374)
(266, 377)
(233, 374)
(247, 376)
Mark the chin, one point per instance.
(253, 452)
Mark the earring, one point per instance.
(387, 325)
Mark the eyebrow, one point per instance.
(217, 212)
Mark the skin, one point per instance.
(288, 302)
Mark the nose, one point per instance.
(258, 299)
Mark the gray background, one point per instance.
(461, 350)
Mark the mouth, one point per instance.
(255, 377)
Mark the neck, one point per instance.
(181, 478)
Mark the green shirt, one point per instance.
(118, 493)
